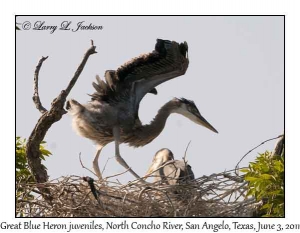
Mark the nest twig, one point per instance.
(222, 194)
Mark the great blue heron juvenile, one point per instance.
(112, 113)
(168, 170)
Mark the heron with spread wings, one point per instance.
(112, 113)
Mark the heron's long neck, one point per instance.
(146, 133)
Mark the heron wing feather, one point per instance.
(141, 75)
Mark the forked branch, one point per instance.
(48, 118)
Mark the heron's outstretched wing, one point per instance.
(173, 64)
(141, 75)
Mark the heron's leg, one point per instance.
(95, 163)
(116, 133)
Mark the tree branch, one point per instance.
(47, 119)
(237, 165)
(36, 97)
(91, 51)
(84, 166)
(279, 148)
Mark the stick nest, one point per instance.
(217, 195)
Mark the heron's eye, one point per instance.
(193, 110)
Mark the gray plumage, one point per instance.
(164, 168)
(112, 113)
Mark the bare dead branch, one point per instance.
(90, 51)
(234, 178)
(36, 97)
(184, 158)
(187, 147)
(106, 164)
(236, 167)
(84, 166)
(46, 120)
(118, 174)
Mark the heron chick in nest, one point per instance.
(164, 168)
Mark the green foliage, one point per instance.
(266, 182)
(23, 174)
(22, 169)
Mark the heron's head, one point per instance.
(188, 109)
(74, 107)
(161, 156)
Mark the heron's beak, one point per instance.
(150, 170)
(201, 121)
